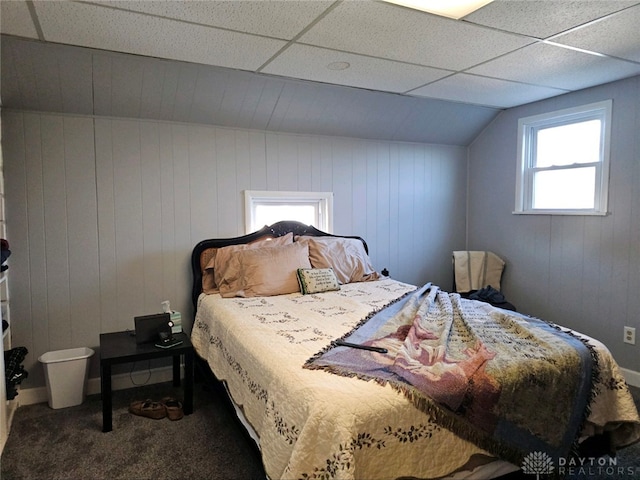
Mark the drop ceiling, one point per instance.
(508, 53)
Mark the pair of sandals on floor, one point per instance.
(167, 407)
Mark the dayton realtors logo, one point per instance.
(539, 463)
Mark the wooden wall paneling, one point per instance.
(74, 72)
(169, 89)
(259, 97)
(203, 182)
(45, 65)
(569, 268)
(56, 231)
(433, 248)
(422, 157)
(151, 193)
(461, 195)
(168, 211)
(185, 92)
(82, 231)
(342, 186)
(591, 297)
(232, 102)
(615, 258)
(126, 86)
(304, 168)
(271, 162)
(258, 169)
(180, 296)
(328, 173)
(127, 181)
(15, 83)
(382, 217)
(315, 165)
(371, 152)
(16, 127)
(623, 171)
(229, 206)
(532, 265)
(394, 208)
(102, 84)
(297, 107)
(633, 287)
(578, 271)
(237, 105)
(244, 150)
(604, 280)
(107, 258)
(320, 164)
(406, 175)
(123, 223)
(279, 112)
(288, 160)
(34, 268)
(153, 74)
(358, 220)
(207, 109)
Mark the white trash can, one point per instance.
(66, 374)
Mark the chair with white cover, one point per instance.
(474, 270)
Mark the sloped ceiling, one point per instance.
(270, 65)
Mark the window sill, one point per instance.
(562, 212)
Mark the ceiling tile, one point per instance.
(109, 29)
(397, 33)
(556, 67)
(311, 63)
(618, 35)
(485, 91)
(16, 20)
(275, 18)
(543, 18)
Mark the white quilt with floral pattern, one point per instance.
(313, 424)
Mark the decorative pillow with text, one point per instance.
(317, 280)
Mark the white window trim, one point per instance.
(601, 110)
(323, 199)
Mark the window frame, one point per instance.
(323, 201)
(527, 129)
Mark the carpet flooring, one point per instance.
(68, 444)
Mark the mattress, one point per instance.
(313, 424)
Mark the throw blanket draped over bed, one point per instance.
(509, 383)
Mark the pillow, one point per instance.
(207, 258)
(268, 271)
(317, 280)
(223, 266)
(346, 256)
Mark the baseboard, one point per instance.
(30, 396)
(631, 376)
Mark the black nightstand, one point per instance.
(121, 347)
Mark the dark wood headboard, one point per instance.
(276, 230)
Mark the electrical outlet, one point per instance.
(630, 335)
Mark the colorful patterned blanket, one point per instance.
(511, 384)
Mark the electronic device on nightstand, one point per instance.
(149, 327)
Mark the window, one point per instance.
(564, 161)
(265, 208)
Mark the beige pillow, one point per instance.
(317, 280)
(269, 271)
(207, 258)
(222, 271)
(346, 256)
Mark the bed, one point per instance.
(257, 329)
